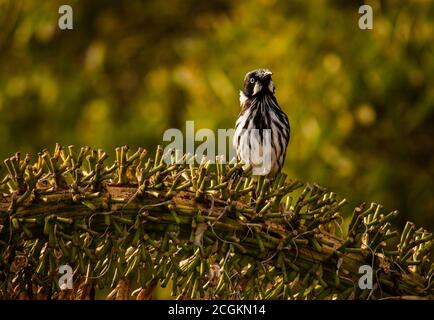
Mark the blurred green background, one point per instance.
(360, 102)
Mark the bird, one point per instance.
(262, 130)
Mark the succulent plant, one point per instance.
(202, 229)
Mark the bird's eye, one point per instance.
(252, 80)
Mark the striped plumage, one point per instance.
(260, 110)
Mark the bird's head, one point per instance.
(258, 82)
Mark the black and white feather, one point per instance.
(260, 111)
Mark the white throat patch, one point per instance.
(243, 98)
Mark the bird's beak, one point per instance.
(267, 80)
(257, 88)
